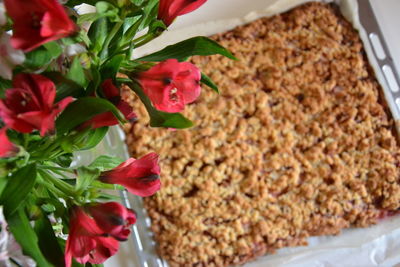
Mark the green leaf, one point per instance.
(105, 163)
(3, 180)
(83, 140)
(88, 17)
(103, 7)
(65, 87)
(26, 237)
(108, 197)
(137, 2)
(64, 160)
(108, 10)
(156, 25)
(37, 58)
(19, 185)
(129, 22)
(201, 46)
(169, 120)
(96, 77)
(82, 110)
(48, 208)
(54, 49)
(68, 145)
(70, 40)
(150, 11)
(85, 177)
(4, 85)
(76, 73)
(43, 55)
(207, 81)
(48, 243)
(49, 204)
(111, 67)
(98, 184)
(94, 138)
(130, 28)
(121, 81)
(98, 32)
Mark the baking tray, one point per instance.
(377, 244)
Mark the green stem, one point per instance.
(54, 168)
(56, 154)
(52, 188)
(26, 140)
(146, 38)
(142, 40)
(143, 97)
(61, 174)
(58, 183)
(46, 149)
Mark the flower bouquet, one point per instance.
(61, 73)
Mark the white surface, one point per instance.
(375, 246)
(388, 15)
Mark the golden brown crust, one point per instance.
(296, 145)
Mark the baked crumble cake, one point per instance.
(297, 144)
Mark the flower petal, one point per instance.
(81, 238)
(40, 120)
(142, 188)
(171, 84)
(41, 89)
(113, 218)
(37, 22)
(106, 247)
(30, 104)
(186, 6)
(7, 148)
(109, 89)
(140, 177)
(170, 9)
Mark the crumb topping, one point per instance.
(297, 144)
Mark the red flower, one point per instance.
(170, 9)
(141, 177)
(112, 93)
(171, 85)
(87, 242)
(7, 148)
(30, 104)
(37, 22)
(114, 219)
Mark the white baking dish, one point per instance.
(375, 246)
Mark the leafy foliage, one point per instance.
(19, 185)
(201, 46)
(40, 178)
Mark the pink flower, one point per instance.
(171, 85)
(7, 148)
(37, 22)
(140, 177)
(170, 9)
(30, 104)
(87, 242)
(113, 218)
(112, 93)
